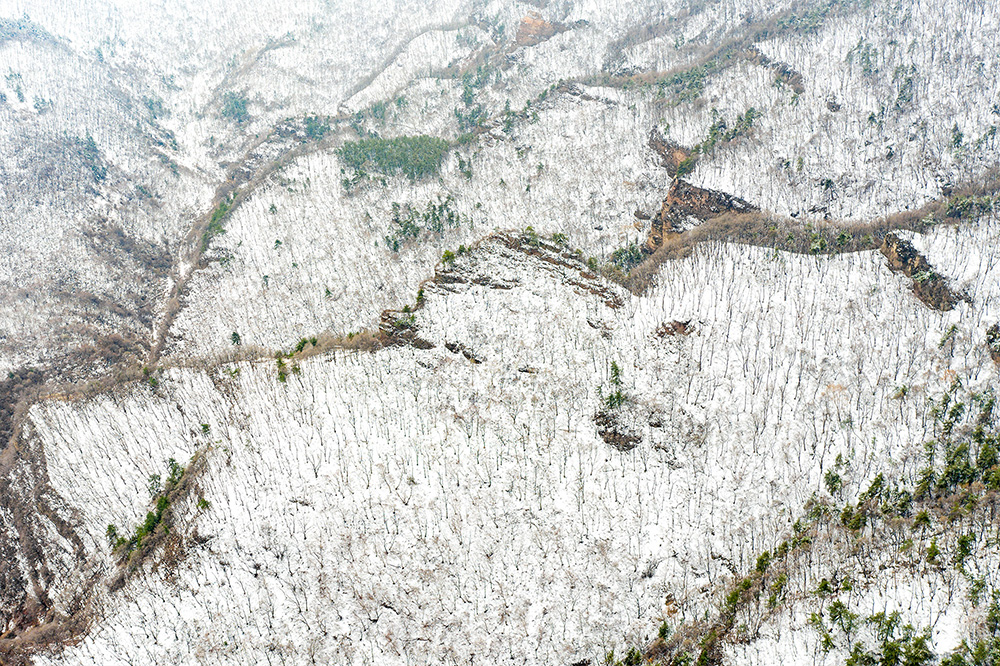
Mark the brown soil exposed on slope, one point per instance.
(534, 29)
(671, 154)
(686, 201)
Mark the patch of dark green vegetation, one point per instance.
(284, 369)
(303, 343)
(216, 222)
(155, 107)
(718, 133)
(472, 114)
(955, 492)
(409, 222)
(891, 643)
(88, 151)
(414, 156)
(170, 164)
(809, 21)
(234, 107)
(14, 80)
(158, 519)
(687, 85)
(23, 29)
(971, 206)
(954, 459)
(628, 257)
(376, 114)
(316, 127)
(615, 396)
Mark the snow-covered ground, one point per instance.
(884, 91)
(409, 505)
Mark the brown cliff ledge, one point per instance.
(930, 287)
(685, 201)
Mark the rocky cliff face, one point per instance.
(929, 286)
(672, 155)
(534, 29)
(687, 205)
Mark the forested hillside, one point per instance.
(487, 331)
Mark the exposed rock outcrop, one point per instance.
(459, 348)
(671, 154)
(684, 202)
(614, 433)
(993, 342)
(783, 72)
(398, 327)
(534, 29)
(472, 268)
(674, 328)
(930, 287)
(578, 275)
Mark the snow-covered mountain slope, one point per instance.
(115, 129)
(287, 265)
(416, 504)
(575, 160)
(899, 103)
(318, 349)
(92, 210)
